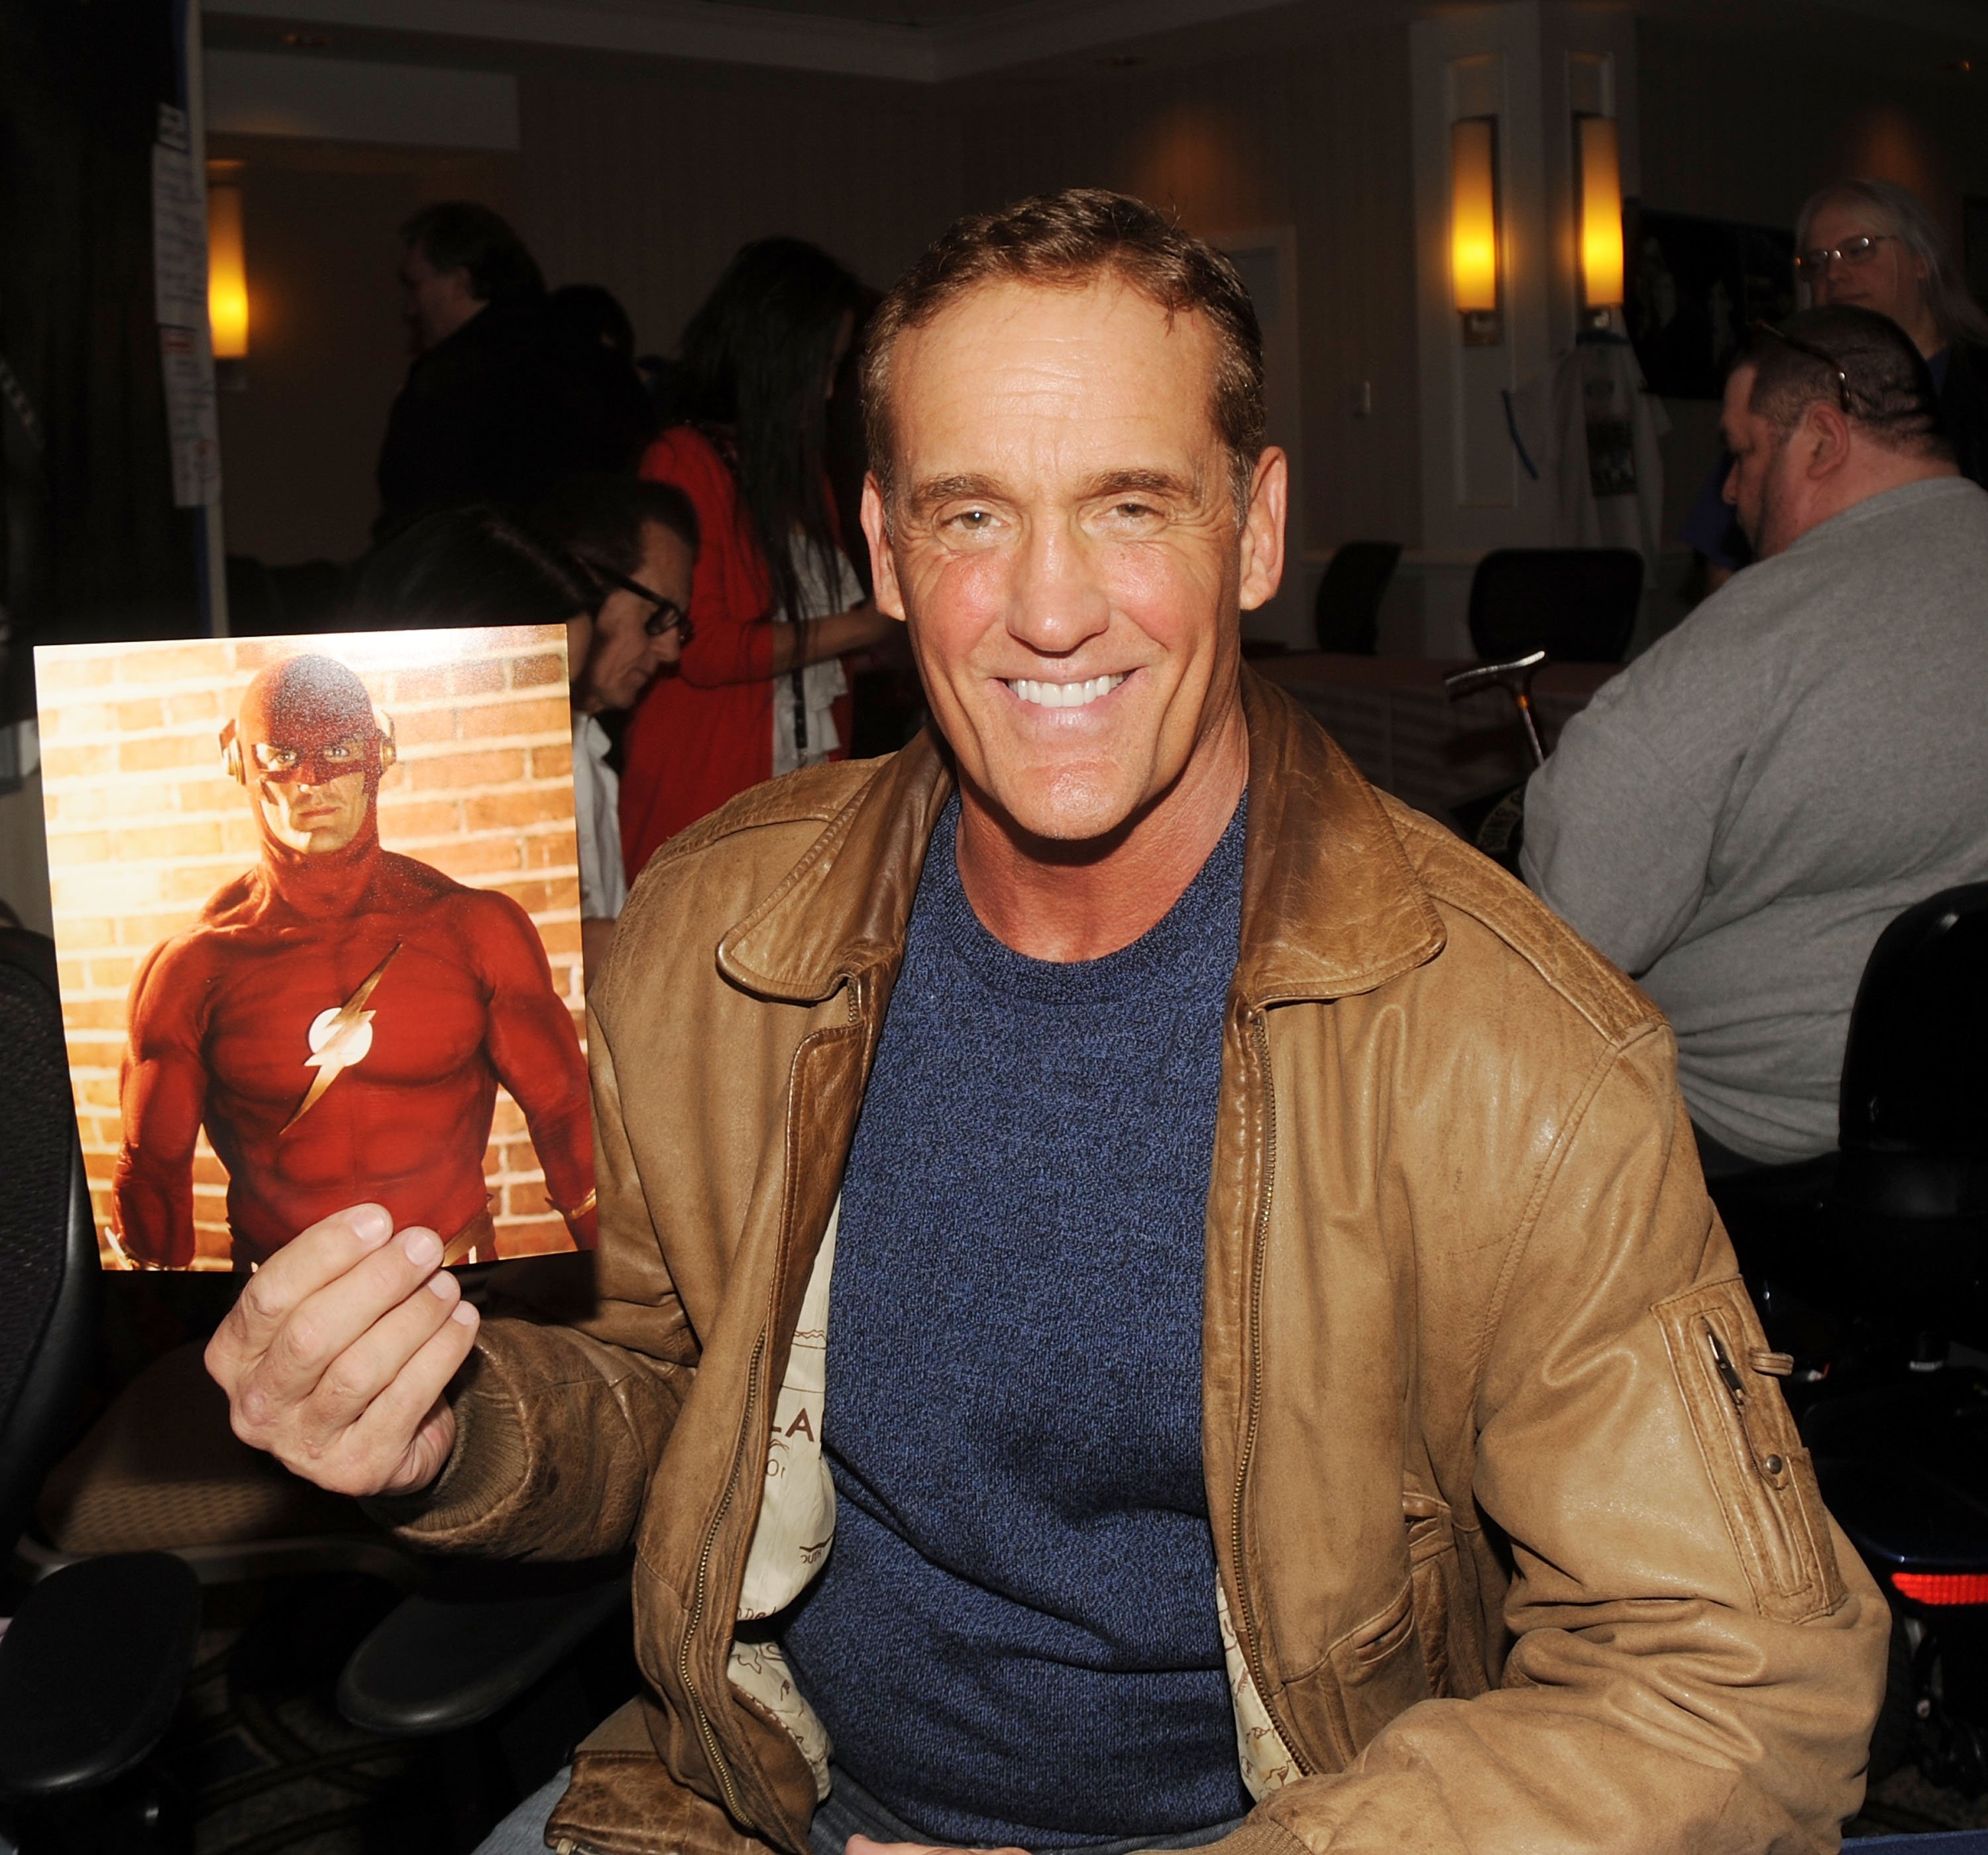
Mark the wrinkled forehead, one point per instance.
(1092, 365)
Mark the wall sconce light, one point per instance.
(227, 273)
(1473, 228)
(1598, 149)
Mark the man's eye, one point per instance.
(974, 521)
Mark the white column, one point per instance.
(1531, 65)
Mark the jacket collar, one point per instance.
(1330, 906)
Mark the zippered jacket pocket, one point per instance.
(1762, 1476)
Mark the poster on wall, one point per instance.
(1694, 286)
(316, 909)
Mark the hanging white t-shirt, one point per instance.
(823, 587)
(1587, 428)
(597, 816)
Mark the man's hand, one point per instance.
(336, 1356)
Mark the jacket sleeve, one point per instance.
(1698, 1655)
(564, 1410)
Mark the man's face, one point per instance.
(317, 810)
(1888, 280)
(435, 302)
(1765, 484)
(622, 657)
(1063, 544)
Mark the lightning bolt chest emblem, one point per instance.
(340, 1036)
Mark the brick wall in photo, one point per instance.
(144, 825)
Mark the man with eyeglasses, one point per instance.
(637, 543)
(1735, 818)
(1873, 245)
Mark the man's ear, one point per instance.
(1825, 440)
(1263, 528)
(883, 562)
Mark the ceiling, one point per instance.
(887, 12)
(932, 41)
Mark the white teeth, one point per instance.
(1063, 694)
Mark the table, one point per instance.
(1399, 727)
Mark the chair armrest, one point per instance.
(435, 1664)
(91, 1670)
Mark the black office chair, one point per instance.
(92, 1665)
(1578, 605)
(1867, 1265)
(1911, 1190)
(1347, 612)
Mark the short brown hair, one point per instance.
(1887, 383)
(1066, 241)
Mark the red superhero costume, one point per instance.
(339, 1018)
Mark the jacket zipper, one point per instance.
(1259, 1249)
(1770, 1466)
(720, 1766)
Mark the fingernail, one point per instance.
(443, 1284)
(422, 1246)
(465, 1311)
(371, 1224)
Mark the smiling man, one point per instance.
(340, 1017)
(1148, 1296)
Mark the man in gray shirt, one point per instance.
(1735, 818)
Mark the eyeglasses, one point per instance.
(667, 617)
(1810, 265)
(1814, 353)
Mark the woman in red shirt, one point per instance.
(774, 602)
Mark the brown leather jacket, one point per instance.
(1518, 1545)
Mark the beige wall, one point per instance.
(646, 178)
(1317, 140)
(1739, 127)
(327, 348)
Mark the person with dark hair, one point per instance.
(459, 257)
(1873, 245)
(608, 558)
(776, 604)
(1149, 1297)
(637, 542)
(471, 565)
(1735, 818)
(586, 312)
(505, 397)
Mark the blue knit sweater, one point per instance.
(1014, 1639)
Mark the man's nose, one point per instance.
(1058, 598)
